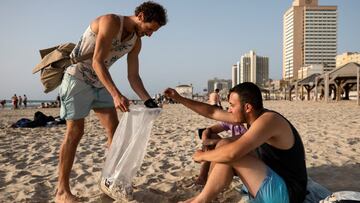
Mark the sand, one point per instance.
(29, 157)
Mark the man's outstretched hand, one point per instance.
(171, 93)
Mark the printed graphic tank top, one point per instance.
(84, 70)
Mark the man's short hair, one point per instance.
(249, 93)
(152, 12)
(217, 90)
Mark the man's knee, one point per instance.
(74, 137)
(74, 132)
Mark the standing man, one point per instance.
(14, 100)
(3, 102)
(88, 84)
(58, 102)
(20, 101)
(275, 173)
(25, 101)
(214, 98)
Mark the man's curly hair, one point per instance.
(152, 12)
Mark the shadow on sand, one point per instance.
(337, 178)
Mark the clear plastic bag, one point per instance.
(127, 151)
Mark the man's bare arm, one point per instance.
(260, 132)
(203, 109)
(133, 72)
(107, 28)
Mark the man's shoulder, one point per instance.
(110, 15)
(111, 18)
(270, 116)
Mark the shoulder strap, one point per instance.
(121, 26)
(78, 59)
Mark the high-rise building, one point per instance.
(309, 37)
(234, 74)
(253, 68)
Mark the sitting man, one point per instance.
(210, 137)
(276, 173)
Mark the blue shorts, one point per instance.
(272, 189)
(78, 98)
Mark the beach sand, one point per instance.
(29, 157)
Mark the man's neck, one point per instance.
(130, 23)
(254, 115)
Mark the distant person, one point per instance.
(269, 158)
(58, 102)
(42, 105)
(109, 37)
(20, 100)
(214, 98)
(210, 137)
(3, 102)
(14, 100)
(25, 101)
(322, 93)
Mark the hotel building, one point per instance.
(309, 37)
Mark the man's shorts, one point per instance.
(272, 189)
(78, 98)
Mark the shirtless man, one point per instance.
(214, 98)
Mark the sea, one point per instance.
(37, 103)
(30, 103)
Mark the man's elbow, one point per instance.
(96, 64)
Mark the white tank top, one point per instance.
(84, 70)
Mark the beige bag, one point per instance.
(54, 62)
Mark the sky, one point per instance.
(202, 39)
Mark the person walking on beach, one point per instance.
(214, 98)
(275, 173)
(20, 100)
(58, 102)
(88, 85)
(25, 101)
(14, 100)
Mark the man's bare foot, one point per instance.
(66, 198)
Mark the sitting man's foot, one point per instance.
(66, 198)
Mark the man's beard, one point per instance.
(242, 114)
(138, 33)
